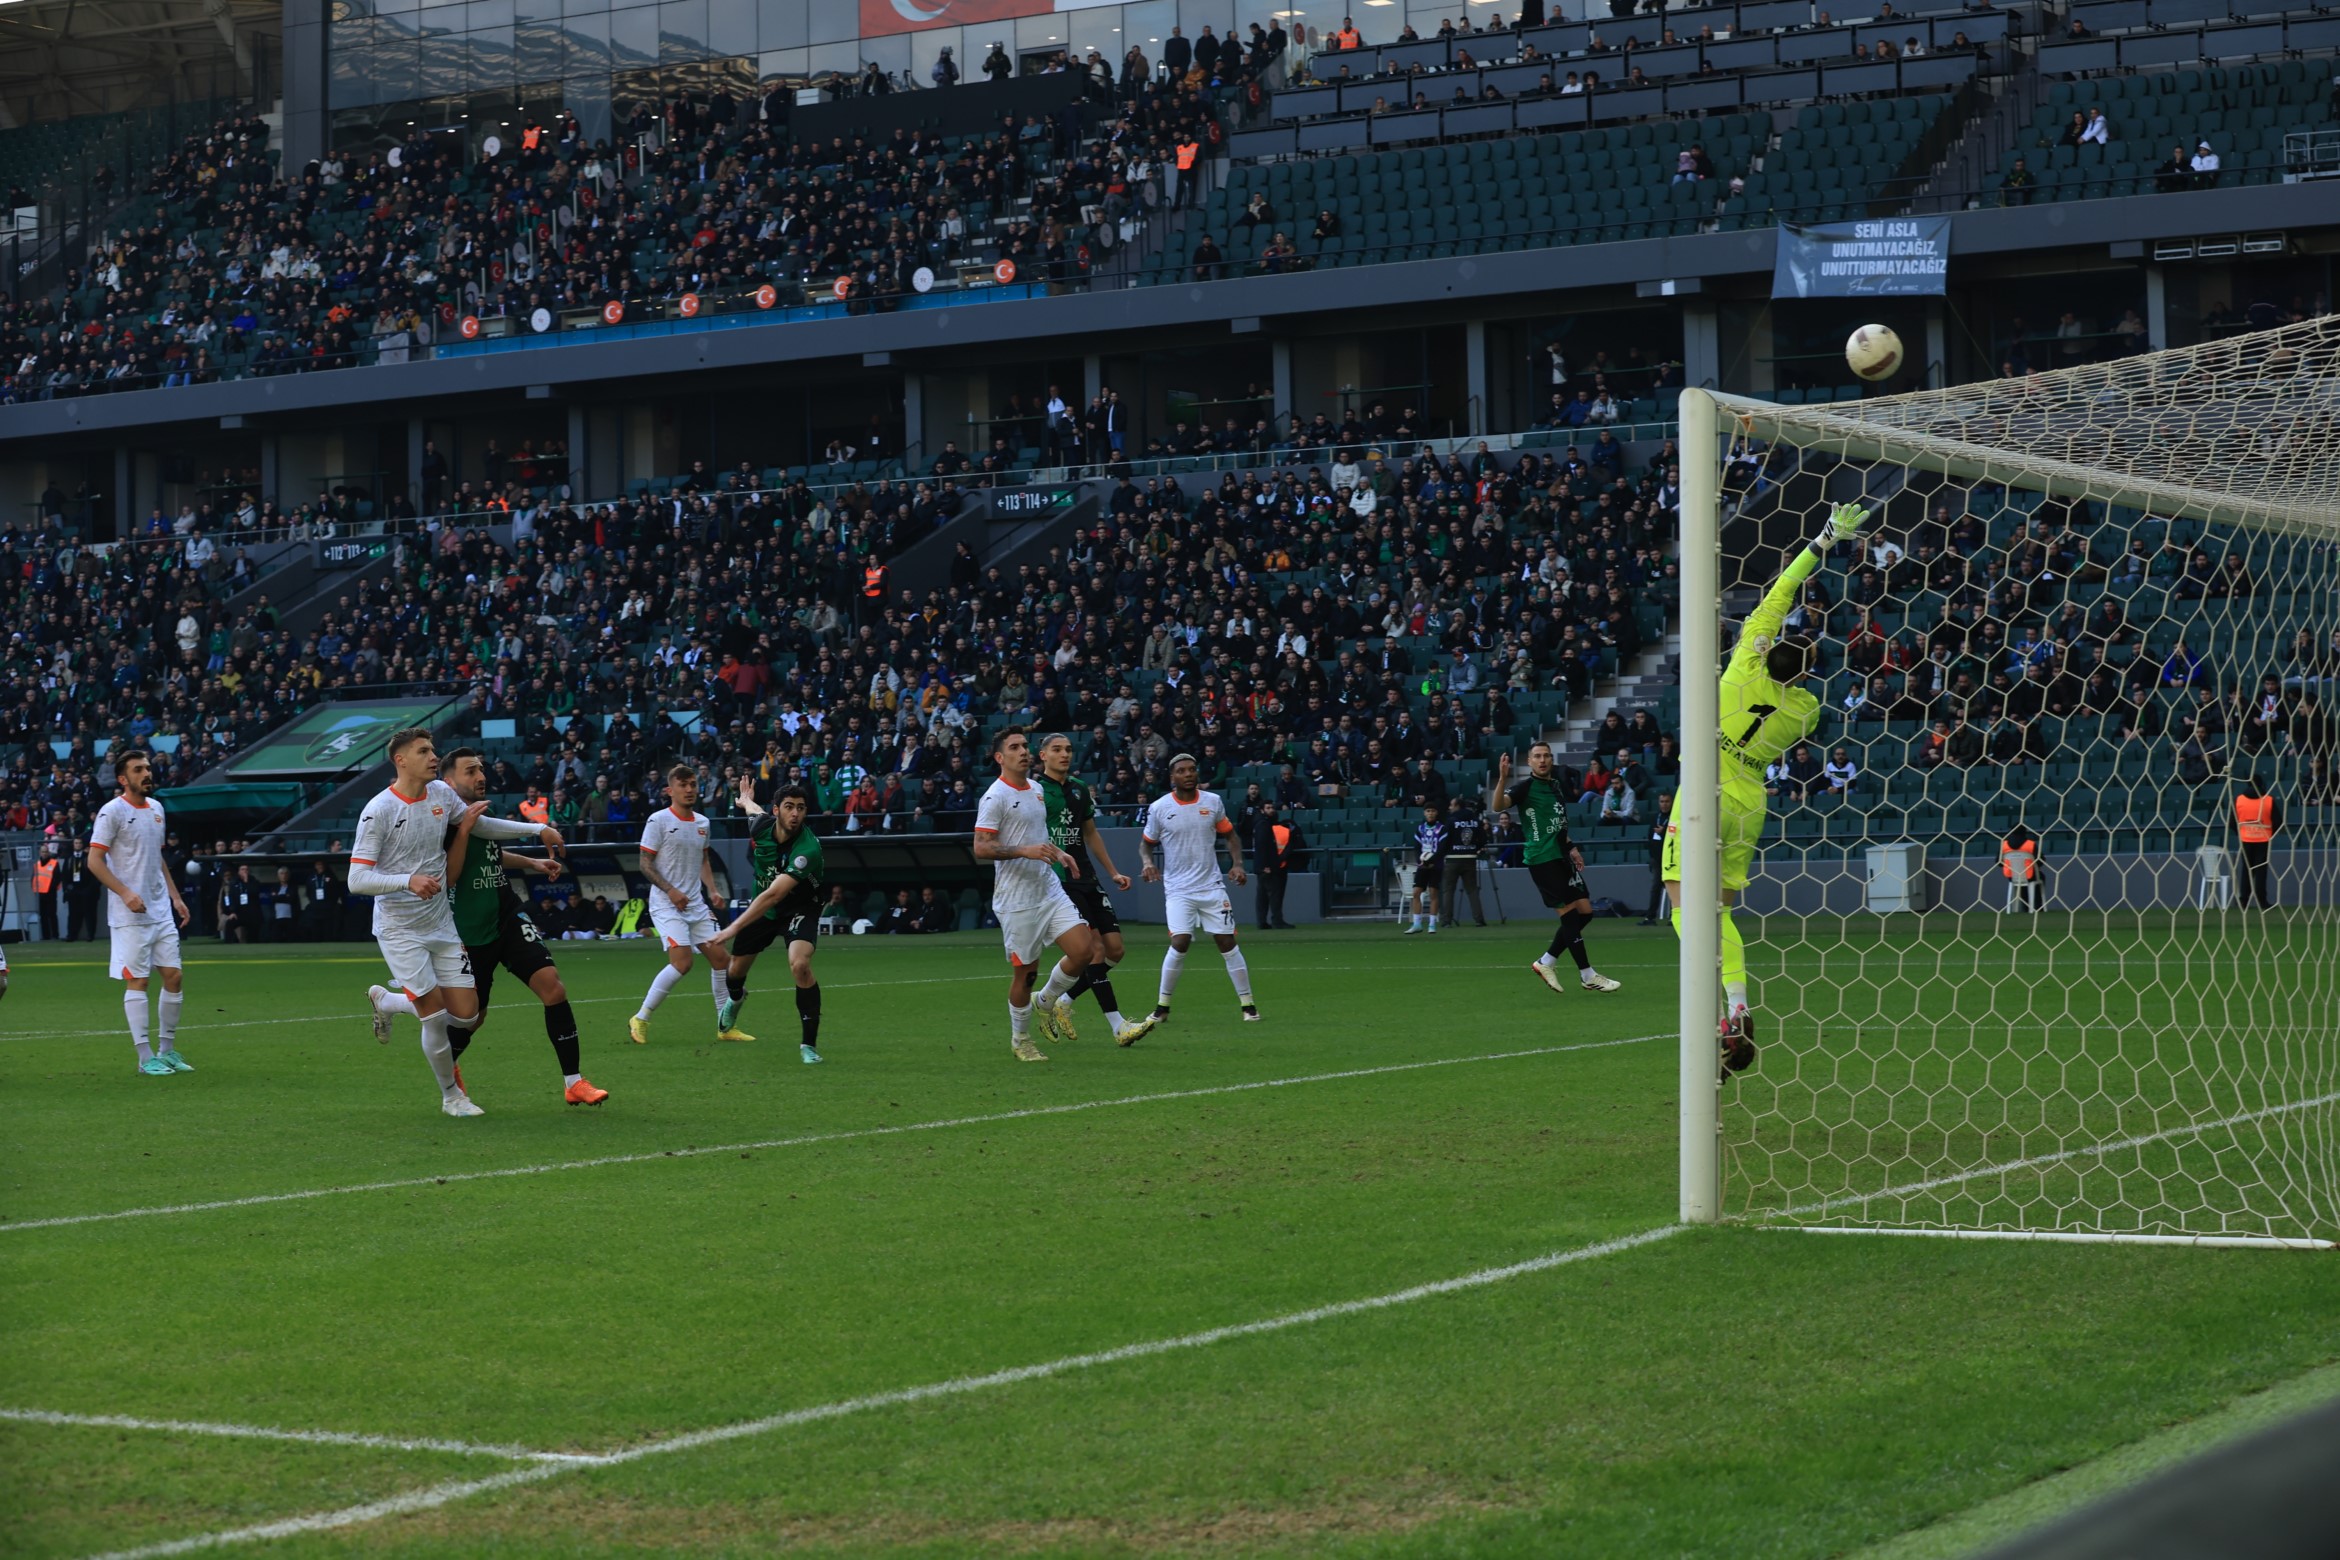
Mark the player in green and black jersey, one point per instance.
(496, 929)
(1072, 828)
(788, 867)
(1553, 862)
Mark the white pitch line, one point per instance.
(959, 1386)
(386, 1443)
(810, 1138)
(2061, 1156)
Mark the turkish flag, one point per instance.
(880, 18)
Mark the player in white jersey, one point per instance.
(682, 892)
(143, 911)
(1035, 913)
(1188, 825)
(399, 857)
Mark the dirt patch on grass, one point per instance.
(579, 1520)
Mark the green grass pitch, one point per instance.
(764, 1241)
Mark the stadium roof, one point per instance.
(60, 58)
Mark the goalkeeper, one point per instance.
(1766, 711)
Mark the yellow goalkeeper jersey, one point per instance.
(1763, 718)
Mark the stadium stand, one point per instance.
(2156, 125)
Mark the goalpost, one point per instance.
(2010, 979)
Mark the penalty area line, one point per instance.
(808, 1139)
(382, 1443)
(434, 1496)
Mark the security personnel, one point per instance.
(2019, 863)
(2257, 816)
(1348, 37)
(536, 809)
(873, 590)
(49, 887)
(1458, 872)
(1275, 844)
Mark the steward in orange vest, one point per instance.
(2257, 816)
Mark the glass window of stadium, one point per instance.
(1629, 352)
(395, 60)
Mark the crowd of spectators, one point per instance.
(231, 266)
(1345, 622)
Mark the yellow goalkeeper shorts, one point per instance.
(1741, 822)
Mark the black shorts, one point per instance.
(801, 926)
(518, 947)
(1088, 897)
(1559, 882)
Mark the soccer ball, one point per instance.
(1873, 352)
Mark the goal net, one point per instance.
(2042, 928)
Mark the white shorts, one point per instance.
(421, 964)
(679, 930)
(1187, 916)
(142, 947)
(1030, 933)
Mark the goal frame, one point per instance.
(1704, 417)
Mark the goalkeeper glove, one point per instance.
(1844, 524)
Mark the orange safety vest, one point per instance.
(1347, 38)
(45, 876)
(1187, 152)
(2013, 856)
(2254, 818)
(873, 581)
(1283, 834)
(537, 811)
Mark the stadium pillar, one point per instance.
(1092, 378)
(1475, 376)
(272, 469)
(914, 456)
(1937, 344)
(125, 493)
(416, 436)
(580, 450)
(1701, 341)
(2157, 308)
(1280, 377)
(1696, 804)
(305, 127)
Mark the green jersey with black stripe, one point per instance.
(1070, 807)
(1543, 819)
(798, 856)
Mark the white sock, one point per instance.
(1734, 997)
(1172, 962)
(1113, 1023)
(571, 1079)
(1240, 973)
(436, 1051)
(1588, 975)
(134, 1009)
(166, 1020)
(1434, 923)
(1058, 983)
(1545, 958)
(1020, 1021)
(658, 990)
(398, 1002)
(722, 982)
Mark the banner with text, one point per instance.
(1893, 257)
(335, 739)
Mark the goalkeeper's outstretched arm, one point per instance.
(1763, 624)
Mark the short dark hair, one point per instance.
(128, 755)
(401, 740)
(1790, 659)
(450, 760)
(793, 791)
(1000, 737)
(681, 772)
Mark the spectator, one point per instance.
(2205, 166)
(934, 912)
(2019, 185)
(1841, 771)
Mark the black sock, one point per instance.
(736, 985)
(560, 1026)
(459, 1036)
(808, 1013)
(1098, 979)
(1087, 982)
(1572, 928)
(1562, 936)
